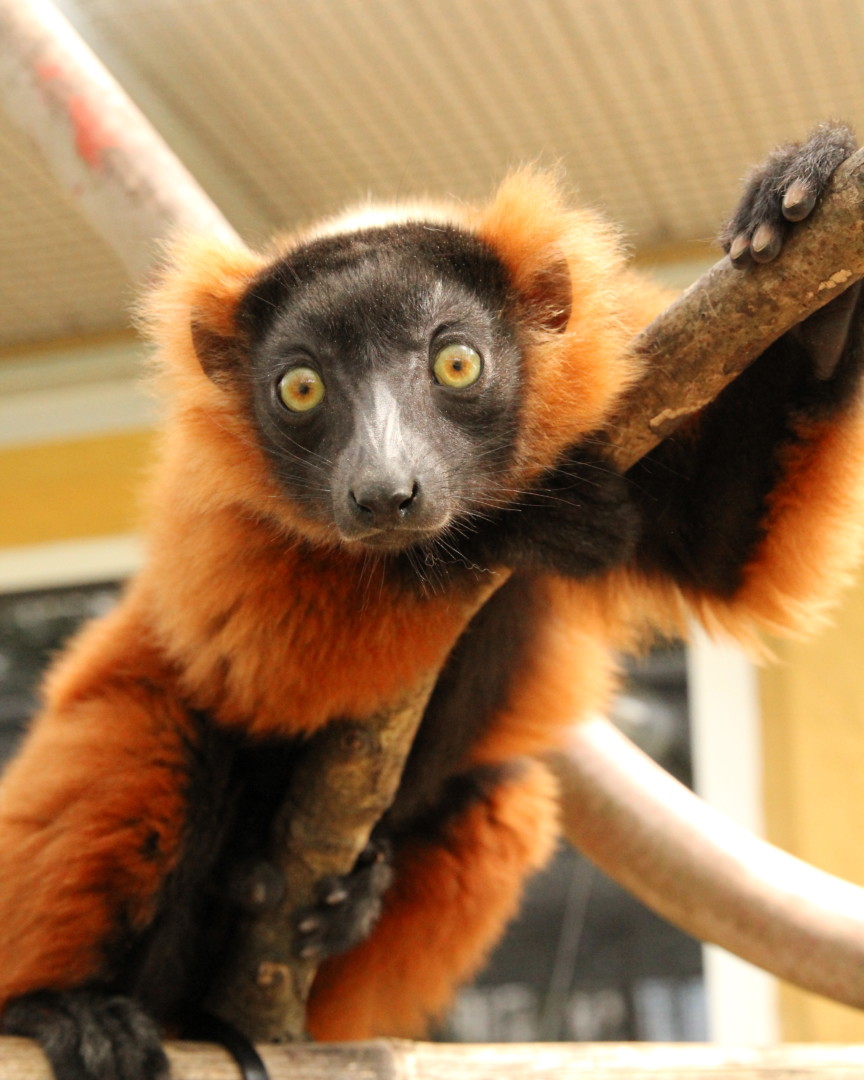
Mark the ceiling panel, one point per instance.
(286, 109)
(57, 276)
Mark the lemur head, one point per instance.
(404, 370)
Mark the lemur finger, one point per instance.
(766, 243)
(256, 886)
(739, 249)
(336, 894)
(809, 171)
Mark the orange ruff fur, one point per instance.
(252, 612)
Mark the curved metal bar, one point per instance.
(704, 873)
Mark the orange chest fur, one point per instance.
(284, 645)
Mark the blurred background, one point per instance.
(284, 110)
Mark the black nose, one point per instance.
(384, 503)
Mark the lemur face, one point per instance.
(386, 381)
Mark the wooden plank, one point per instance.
(398, 1060)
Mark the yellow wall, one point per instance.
(813, 717)
(75, 488)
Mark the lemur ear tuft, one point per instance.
(528, 225)
(546, 295)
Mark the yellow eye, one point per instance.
(301, 389)
(457, 366)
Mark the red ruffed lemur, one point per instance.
(365, 424)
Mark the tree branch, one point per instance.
(349, 778)
(729, 317)
(694, 349)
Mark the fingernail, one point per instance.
(740, 246)
(766, 244)
(798, 201)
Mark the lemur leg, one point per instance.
(91, 814)
(449, 902)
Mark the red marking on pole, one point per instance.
(92, 135)
(46, 70)
(91, 132)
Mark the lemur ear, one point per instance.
(218, 324)
(546, 295)
(221, 343)
(219, 354)
(197, 301)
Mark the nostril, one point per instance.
(358, 504)
(406, 502)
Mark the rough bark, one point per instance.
(729, 317)
(350, 777)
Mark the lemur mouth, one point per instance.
(393, 540)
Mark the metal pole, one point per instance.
(101, 149)
(706, 874)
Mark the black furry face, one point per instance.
(386, 381)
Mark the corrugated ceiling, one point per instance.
(285, 109)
